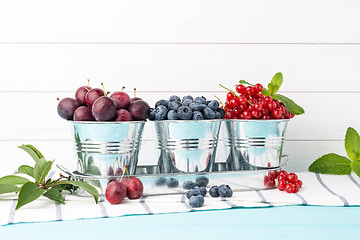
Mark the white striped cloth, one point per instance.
(327, 190)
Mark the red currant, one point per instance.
(281, 177)
(247, 114)
(266, 117)
(250, 108)
(258, 87)
(229, 96)
(269, 182)
(240, 88)
(299, 182)
(282, 185)
(256, 114)
(283, 172)
(296, 188)
(289, 188)
(236, 112)
(273, 174)
(282, 109)
(291, 178)
(243, 100)
(276, 114)
(249, 90)
(258, 106)
(268, 99)
(265, 111)
(271, 106)
(229, 115)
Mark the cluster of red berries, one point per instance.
(288, 182)
(252, 104)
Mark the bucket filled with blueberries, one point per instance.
(107, 130)
(187, 132)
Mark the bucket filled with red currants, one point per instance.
(107, 129)
(256, 119)
(187, 133)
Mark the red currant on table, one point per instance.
(291, 178)
(299, 182)
(289, 188)
(282, 185)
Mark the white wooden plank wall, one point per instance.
(49, 48)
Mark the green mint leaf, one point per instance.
(54, 195)
(32, 151)
(331, 164)
(7, 188)
(265, 92)
(277, 80)
(25, 169)
(245, 82)
(85, 186)
(41, 170)
(272, 89)
(13, 180)
(352, 144)
(355, 166)
(290, 105)
(28, 192)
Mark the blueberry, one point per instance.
(222, 112)
(209, 113)
(196, 201)
(188, 97)
(161, 112)
(214, 191)
(161, 181)
(152, 114)
(202, 181)
(172, 115)
(187, 102)
(213, 104)
(188, 185)
(172, 183)
(207, 102)
(197, 115)
(195, 106)
(161, 102)
(174, 105)
(200, 100)
(203, 106)
(217, 115)
(174, 98)
(193, 192)
(202, 190)
(225, 191)
(184, 113)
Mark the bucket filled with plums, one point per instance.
(256, 119)
(187, 132)
(107, 130)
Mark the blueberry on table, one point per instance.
(214, 191)
(202, 190)
(197, 115)
(213, 104)
(172, 183)
(188, 97)
(172, 115)
(184, 113)
(187, 102)
(189, 185)
(161, 181)
(225, 191)
(209, 113)
(161, 112)
(174, 98)
(161, 102)
(196, 201)
(200, 100)
(174, 105)
(202, 181)
(193, 192)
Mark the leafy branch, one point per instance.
(333, 163)
(29, 191)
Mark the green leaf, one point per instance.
(352, 144)
(265, 92)
(272, 89)
(289, 104)
(54, 195)
(64, 187)
(25, 169)
(85, 186)
(7, 188)
(41, 170)
(245, 82)
(28, 193)
(32, 151)
(331, 164)
(355, 166)
(277, 80)
(13, 180)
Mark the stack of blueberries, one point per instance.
(188, 108)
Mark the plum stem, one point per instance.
(58, 99)
(123, 173)
(134, 92)
(88, 83)
(105, 93)
(127, 172)
(123, 88)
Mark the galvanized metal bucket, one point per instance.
(187, 146)
(254, 144)
(104, 148)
